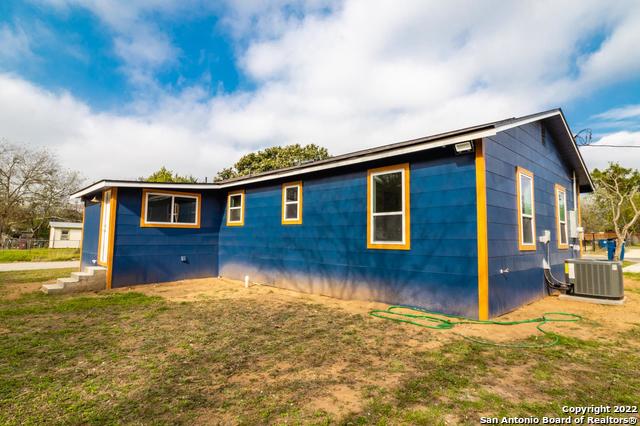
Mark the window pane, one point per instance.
(387, 191)
(291, 211)
(64, 235)
(527, 230)
(234, 215)
(563, 233)
(185, 210)
(159, 208)
(387, 228)
(562, 206)
(292, 193)
(525, 195)
(236, 200)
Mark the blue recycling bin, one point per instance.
(611, 248)
(602, 243)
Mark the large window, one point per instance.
(170, 209)
(526, 210)
(388, 224)
(235, 208)
(561, 217)
(292, 203)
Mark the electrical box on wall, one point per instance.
(573, 224)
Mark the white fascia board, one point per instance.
(517, 123)
(369, 157)
(158, 185)
(295, 172)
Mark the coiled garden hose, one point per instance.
(439, 321)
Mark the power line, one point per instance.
(609, 146)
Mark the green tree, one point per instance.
(34, 189)
(165, 175)
(273, 158)
(618, 193)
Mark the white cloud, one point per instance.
(346, 76)
(14, 44)
(619, 147)
(621, 113)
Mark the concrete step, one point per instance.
(52, 288)
(82, 274)
(92, 278)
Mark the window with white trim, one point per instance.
(168, 208)
(561, 217)
(388, 207)
(526, 210)
(292, 203)
(235, 208)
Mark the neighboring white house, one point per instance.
(65, 235)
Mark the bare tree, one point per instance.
(33, 187)
(618, 189)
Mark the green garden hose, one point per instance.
(439, 321)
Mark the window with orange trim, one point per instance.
(561, 217)
(526, 210)
(388, 222)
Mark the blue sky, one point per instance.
(194, 85)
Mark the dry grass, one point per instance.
(209, 352)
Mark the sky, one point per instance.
(117, 89)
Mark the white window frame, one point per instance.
(403, 244)
(292, 220)
(239, 222)
(174, 213)
(520, 173)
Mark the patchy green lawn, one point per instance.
(39, 255)
(127, 357)
(34, 276)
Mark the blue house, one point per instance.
(450, 222)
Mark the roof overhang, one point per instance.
(554, 119)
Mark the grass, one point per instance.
(39, 255)
(36, 275)
(128, 358)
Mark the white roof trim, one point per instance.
(517, 123)
(369, 157)
(346, 162)
(422, 146)
(104, 184)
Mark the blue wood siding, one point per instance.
(328, 253)
(90, 234)
(522, 146)
(146, 255)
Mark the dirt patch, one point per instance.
(14, 291)
(599, 320)
(338, 400)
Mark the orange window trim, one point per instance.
(406, 209)
(521, 245)
(558, 189)
(143, 212)
(242, 203)
(297, 221)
